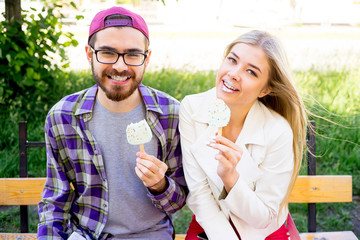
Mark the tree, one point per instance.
(13, 10)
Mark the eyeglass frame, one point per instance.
(118, 56)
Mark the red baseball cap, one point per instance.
(99, 22)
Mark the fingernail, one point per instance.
(209, 144)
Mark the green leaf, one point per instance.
(17, 68)
(67, 44)
(29, 72)
(74, 43)
(30, 51)
(79, 17)
(36, 76)
(17, 77)
(8, 57)
(28, 82)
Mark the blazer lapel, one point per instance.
(251, 135)
(205, 156)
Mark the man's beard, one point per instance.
(115, 93)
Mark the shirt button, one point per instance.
(105, 205)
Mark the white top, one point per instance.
(265, 171)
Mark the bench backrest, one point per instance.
(307, 189)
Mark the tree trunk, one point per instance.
(13, 10)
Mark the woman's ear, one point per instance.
(265, 92)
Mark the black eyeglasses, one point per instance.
(111, 57)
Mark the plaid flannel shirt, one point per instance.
(75, 196)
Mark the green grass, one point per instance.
(330, 94)
(330, 216)
(10, 219)
(180, 83)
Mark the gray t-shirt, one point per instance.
(131, 212)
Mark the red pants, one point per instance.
(194, 229)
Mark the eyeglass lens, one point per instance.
(129, 58)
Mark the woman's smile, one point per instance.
(227, 86)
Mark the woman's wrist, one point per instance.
(230, 180)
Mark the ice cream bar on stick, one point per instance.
(218, 114)
(138, 134)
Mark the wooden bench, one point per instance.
(308, 189)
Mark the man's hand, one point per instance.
(152, 172)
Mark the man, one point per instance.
(98, 185)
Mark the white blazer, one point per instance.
(265, 171)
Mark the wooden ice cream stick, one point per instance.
(220, 131)
(142, 148)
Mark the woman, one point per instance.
(240, 181)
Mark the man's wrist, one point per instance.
(160, 187)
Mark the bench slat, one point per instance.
(180, 236)
(28, 236)
(17, 236)
(307, 189)
(322, 189)
(21, 191)
(345, 235)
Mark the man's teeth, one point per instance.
(228, 86)
(119, 78)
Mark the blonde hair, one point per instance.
(284, 98)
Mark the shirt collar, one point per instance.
(86, 103)
(152, 102)
(253, 129)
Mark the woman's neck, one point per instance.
(232, 130)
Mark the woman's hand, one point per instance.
(229, 156)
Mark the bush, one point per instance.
(28, 53)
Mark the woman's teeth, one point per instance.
(119, 78)
(229, 87)
(225, 89)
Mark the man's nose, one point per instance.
(120, 64)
